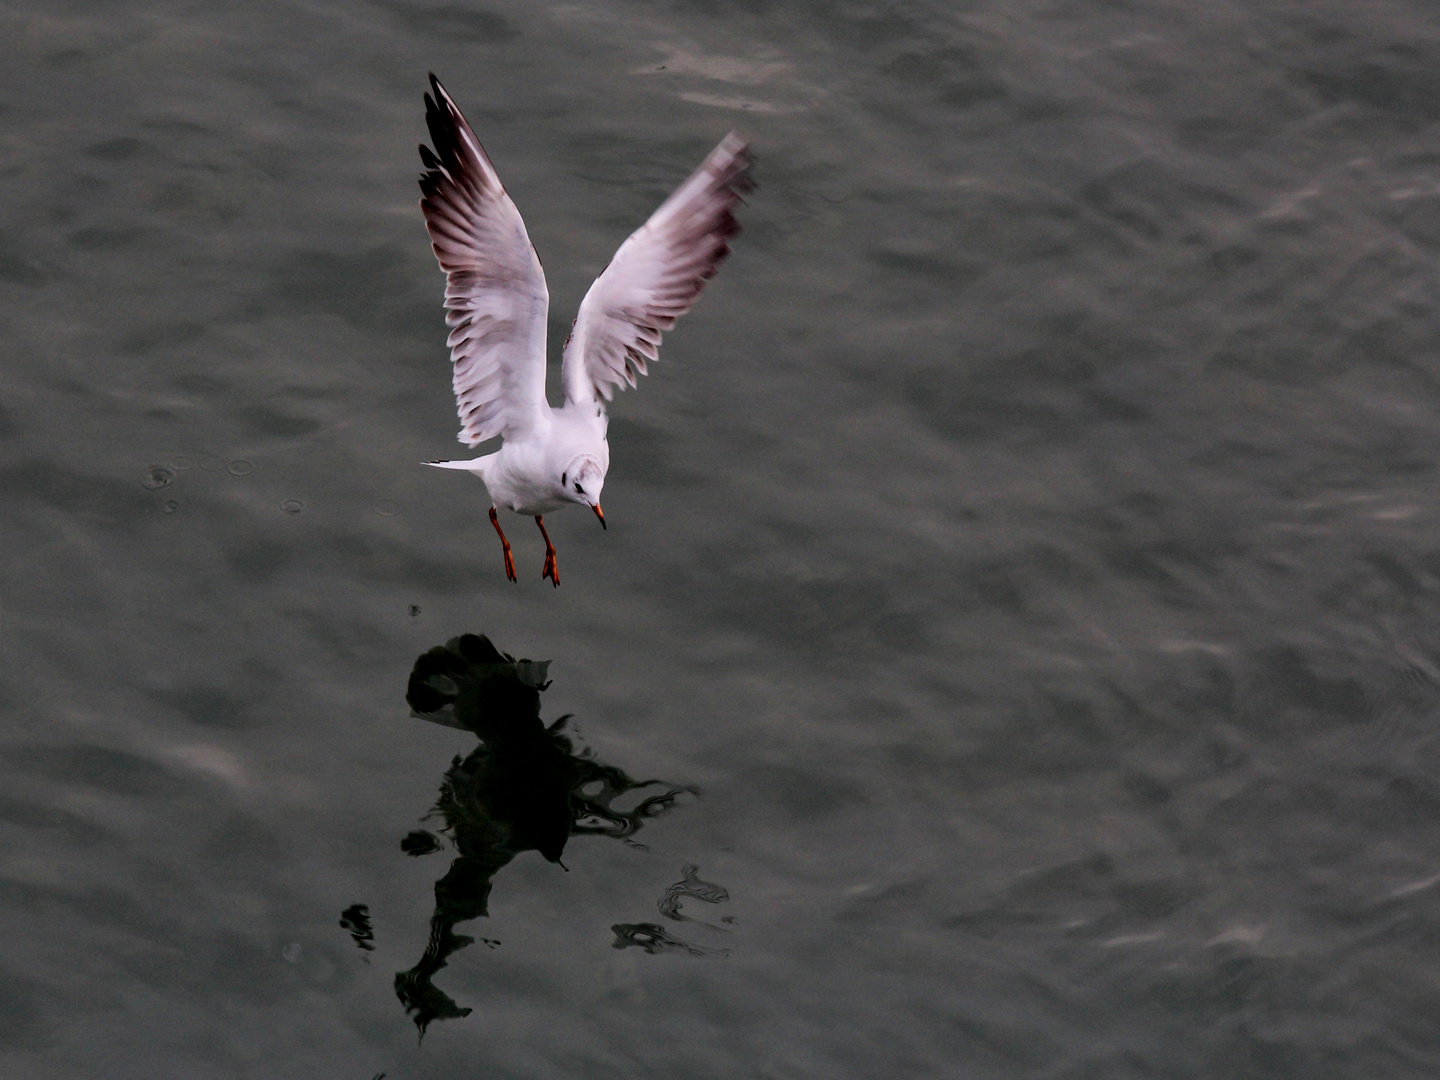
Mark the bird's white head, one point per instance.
(582, 481)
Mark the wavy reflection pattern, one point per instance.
(524, 788)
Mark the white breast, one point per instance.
(519, 479)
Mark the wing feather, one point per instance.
(655, 277)
(495, 295)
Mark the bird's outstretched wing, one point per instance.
(655, 276)
(495, 295)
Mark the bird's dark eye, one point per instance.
(562, 477)
(579, 489)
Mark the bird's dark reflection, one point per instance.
(524, 788)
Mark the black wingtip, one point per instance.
(438, 119)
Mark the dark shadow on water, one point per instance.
(524, 788)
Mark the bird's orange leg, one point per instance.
(509, 559)
(550, 570)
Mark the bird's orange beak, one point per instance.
(601, 515)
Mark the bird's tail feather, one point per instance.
(473, 465)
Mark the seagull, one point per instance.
(496, 305)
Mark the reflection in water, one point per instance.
(653, 938)
(694, 888)
(524, 788)
(356, 920)
(421, 842)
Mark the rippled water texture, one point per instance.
(1021, 567)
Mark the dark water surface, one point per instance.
(1026, 550)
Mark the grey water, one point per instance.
(1021, 584)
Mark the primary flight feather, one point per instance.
(496, 305)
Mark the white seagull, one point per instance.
(496, 304)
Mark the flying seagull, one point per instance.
(496, 304)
